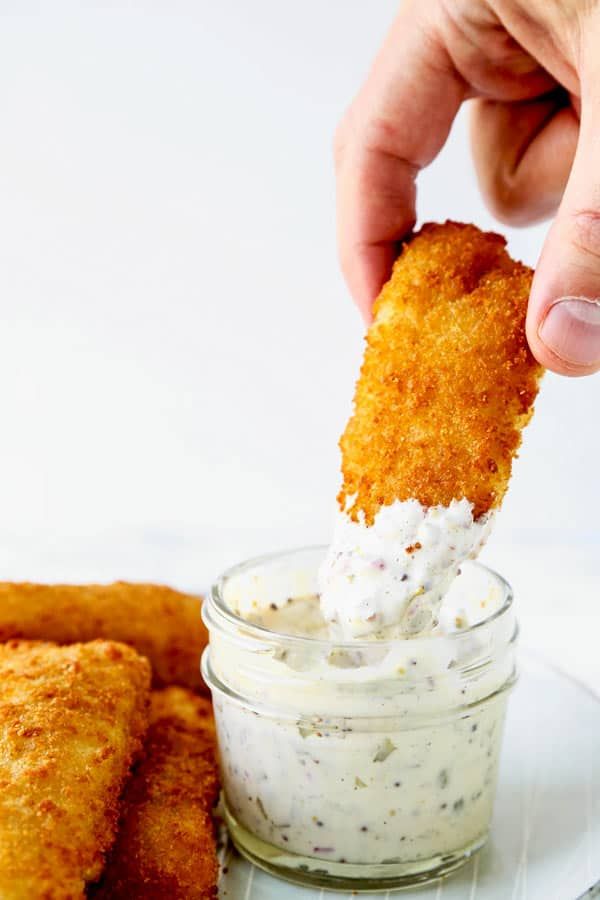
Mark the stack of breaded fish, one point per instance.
(108, 769)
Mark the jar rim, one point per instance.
(260, 633)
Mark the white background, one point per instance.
(178, 349)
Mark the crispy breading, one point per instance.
(448, 380)
(71, 721)
(166, 842)
(161, 623)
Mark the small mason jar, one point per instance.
(364, 765)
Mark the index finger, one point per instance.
(397, 125)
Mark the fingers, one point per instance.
(397, 124)
(523, 153)
(563, 322)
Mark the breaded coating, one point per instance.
(71, 721)
(166, 842)
(448, 380)
(162, 624)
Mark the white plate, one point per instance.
(545, 841)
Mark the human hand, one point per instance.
(532, 71)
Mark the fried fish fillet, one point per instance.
(71, 721)
(162, 624)
(166, 842)
(448, 380)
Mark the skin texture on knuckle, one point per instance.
(361, 138)
(487, 51)
(380, 134)
(553, 27)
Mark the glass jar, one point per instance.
(364, 765)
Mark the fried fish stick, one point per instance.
(166, 842)
(446, 386)
(162, 624)
(71, 722)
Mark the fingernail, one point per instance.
(571, 330)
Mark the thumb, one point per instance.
(563, 321)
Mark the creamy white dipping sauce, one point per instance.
(389, 578)
(365, 753)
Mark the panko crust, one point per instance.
(162, 624)
(447, 382)
(166, 843)
(71, 722)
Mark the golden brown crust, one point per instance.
(161, 623)
(71, 721)
(448, 380)
(166, 842)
